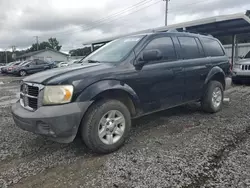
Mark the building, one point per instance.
(46, 54)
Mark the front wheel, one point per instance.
(213, 97)
(22, 73)
(106, 126)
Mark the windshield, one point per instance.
(16, 63)
(114, 51)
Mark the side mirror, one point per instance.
(151, 55)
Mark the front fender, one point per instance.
(213, 72)
(101, 86)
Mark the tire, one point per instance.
(91, 126)
(208, 103)
(22, 73)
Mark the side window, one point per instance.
(200, 47)
(189, 48)
(165, 46)
(32, 63)
(40, 62)
(212, 47)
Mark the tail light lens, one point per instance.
(10, 68)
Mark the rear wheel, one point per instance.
(22, 73)
(213, 97)
(106, 126)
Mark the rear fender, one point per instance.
(216, 73)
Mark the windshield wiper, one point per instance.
(93, 61)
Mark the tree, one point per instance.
(80, 51)
(54, 44)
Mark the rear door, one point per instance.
(196, 66)
(31, 67)
(41, 65)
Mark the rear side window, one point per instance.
(165, 45)
(189, 48)
(212, 47)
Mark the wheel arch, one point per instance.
(112, 89)
(216, 74)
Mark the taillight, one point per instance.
(10, 68)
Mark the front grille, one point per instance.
(33, 91)
(29, 95)
(33, 103)
(245, 67)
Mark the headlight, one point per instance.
(237, 66)
(57, 94)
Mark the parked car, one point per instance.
(62, 64)
(241, 70)
(71, 62)
(8, 68)
(32, 66)
(124, 79)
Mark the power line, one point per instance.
(141, 3)
(170, 10)
(101, 23)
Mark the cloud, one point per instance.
(74, 21)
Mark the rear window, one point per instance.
(189, 48)
(212, 47)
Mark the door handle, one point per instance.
(178, 69)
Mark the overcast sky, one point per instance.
(74, 22)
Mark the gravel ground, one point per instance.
(182, 147)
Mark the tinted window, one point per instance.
(189, 47)
(40, 62)
(212, 47)
(165, 45)
(200, 47)
(32, 63)
(248, 55)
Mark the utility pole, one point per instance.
(166, 12)
(13, 52)
(36, 42)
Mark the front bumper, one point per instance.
(59, 123)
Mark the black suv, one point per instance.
(31, 66)
(127, 78)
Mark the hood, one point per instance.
(59, 75)
(243, 61)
